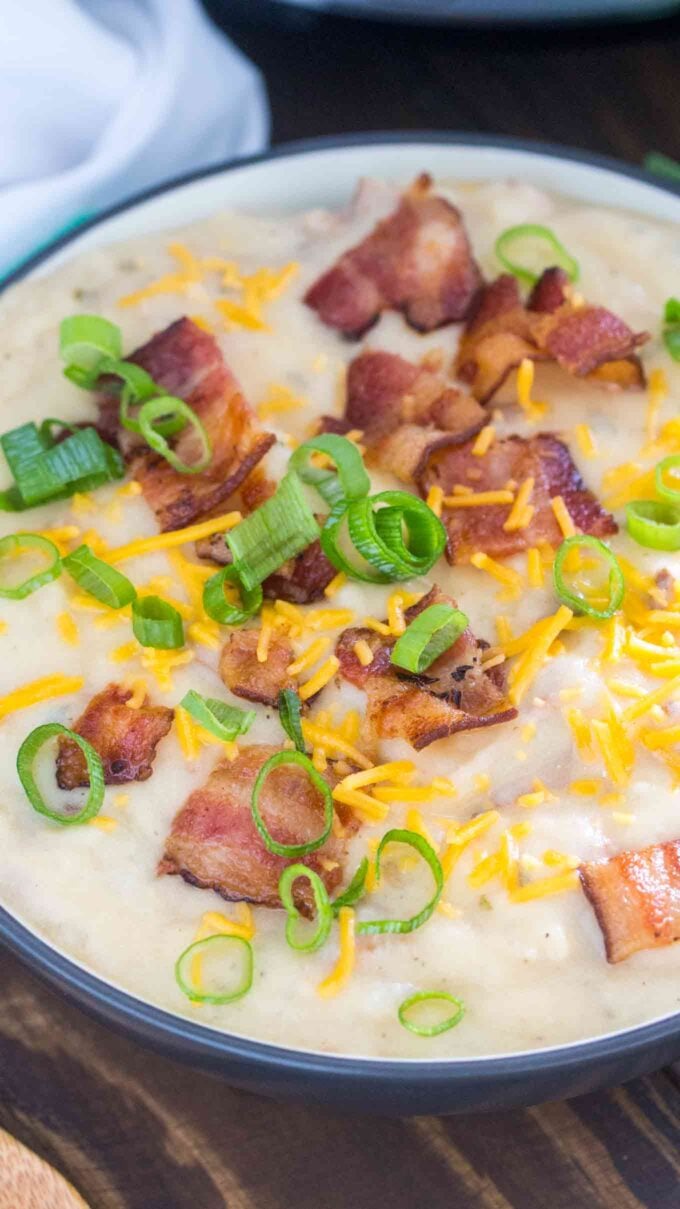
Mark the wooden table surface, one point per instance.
(131, 1130)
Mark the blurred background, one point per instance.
(607, 85)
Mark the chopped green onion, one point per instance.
(427, 637)
(23, 445)
(278, 530)
(83, 341)
(185, 968)
(290, 708)
(95, 773)
(349, 479)
(43, 472)
(374, 927)
(292, 850)
(355, 889)
(671, 334)
(431, 1030)
(324, 914)
(374, 526)
(219, 608)
(166, 408)
(575, 599)
(662, 165)
(12, 545)
(654, 523)
(663, 489)
(224, 721)
(157, 624)
(556, 253)
(97, 578)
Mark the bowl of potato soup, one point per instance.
(340, 613)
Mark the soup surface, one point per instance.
(576, 775)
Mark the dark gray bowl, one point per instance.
(356, 1084)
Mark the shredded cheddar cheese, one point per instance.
(67, 629)
(525, 381)
(320, 678)
(478, 499)
(562, 516)
(545, 887)
(586, 441)
(484, 440)
(338, 581)
(342, 972)
(176, 537)
(507, 576)
(363, 652)
(521, 512)
(39, 690)
(532, 659)
(435, 499)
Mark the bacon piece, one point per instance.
(125, 739)
(300, 580)
(418, 261)
(404, 412)
(454, 693)
(586, 341)
(636, 898)
(214, 844)
(186, 361)
(544, 458)
(245, 676)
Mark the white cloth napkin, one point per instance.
(102, 98)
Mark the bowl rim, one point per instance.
(192, 1039)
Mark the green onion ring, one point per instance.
(95, 771)
(219, 608)
(347, 482)
(355, 890)
(292, 850)
(569, 596)
(377, 927)
(224, 721)
(558, 253)
(183, 970)
(427, 637)
(19, 541)
(164, 408)
(374, 525)
(431, 1030)
(98, 579)
(290, 709)
(324, 914)
(654, 524)
(670, 494)
(157, 624)
(83, 341)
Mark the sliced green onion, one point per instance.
(663, 489)
(278, 530)
(23, 445)
(375, 927)
(427, 637)
(654, 523)
(290, 709)
(95, 772)
(98, 579)
(292, 850)
(431, 1030)
(348, 481)
(575, 599)
(219, 608)
(355, 889)
(79, 463)
(374, 526)
(184, 973)
(167, 408)
(324, 914)
(671, 334)
(224, 721)
(157, 624)
(83, 341)
(12, 545)
(556, 253)
(662, 165)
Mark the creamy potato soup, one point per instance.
(508, 705)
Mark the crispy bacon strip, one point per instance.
(404, 412)
(545, 459)
(418, 261)
(213, 842)
(187, 362)
(246, 677)
(586, 341)
(454, 694)
(636, 898)
(125, 739)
